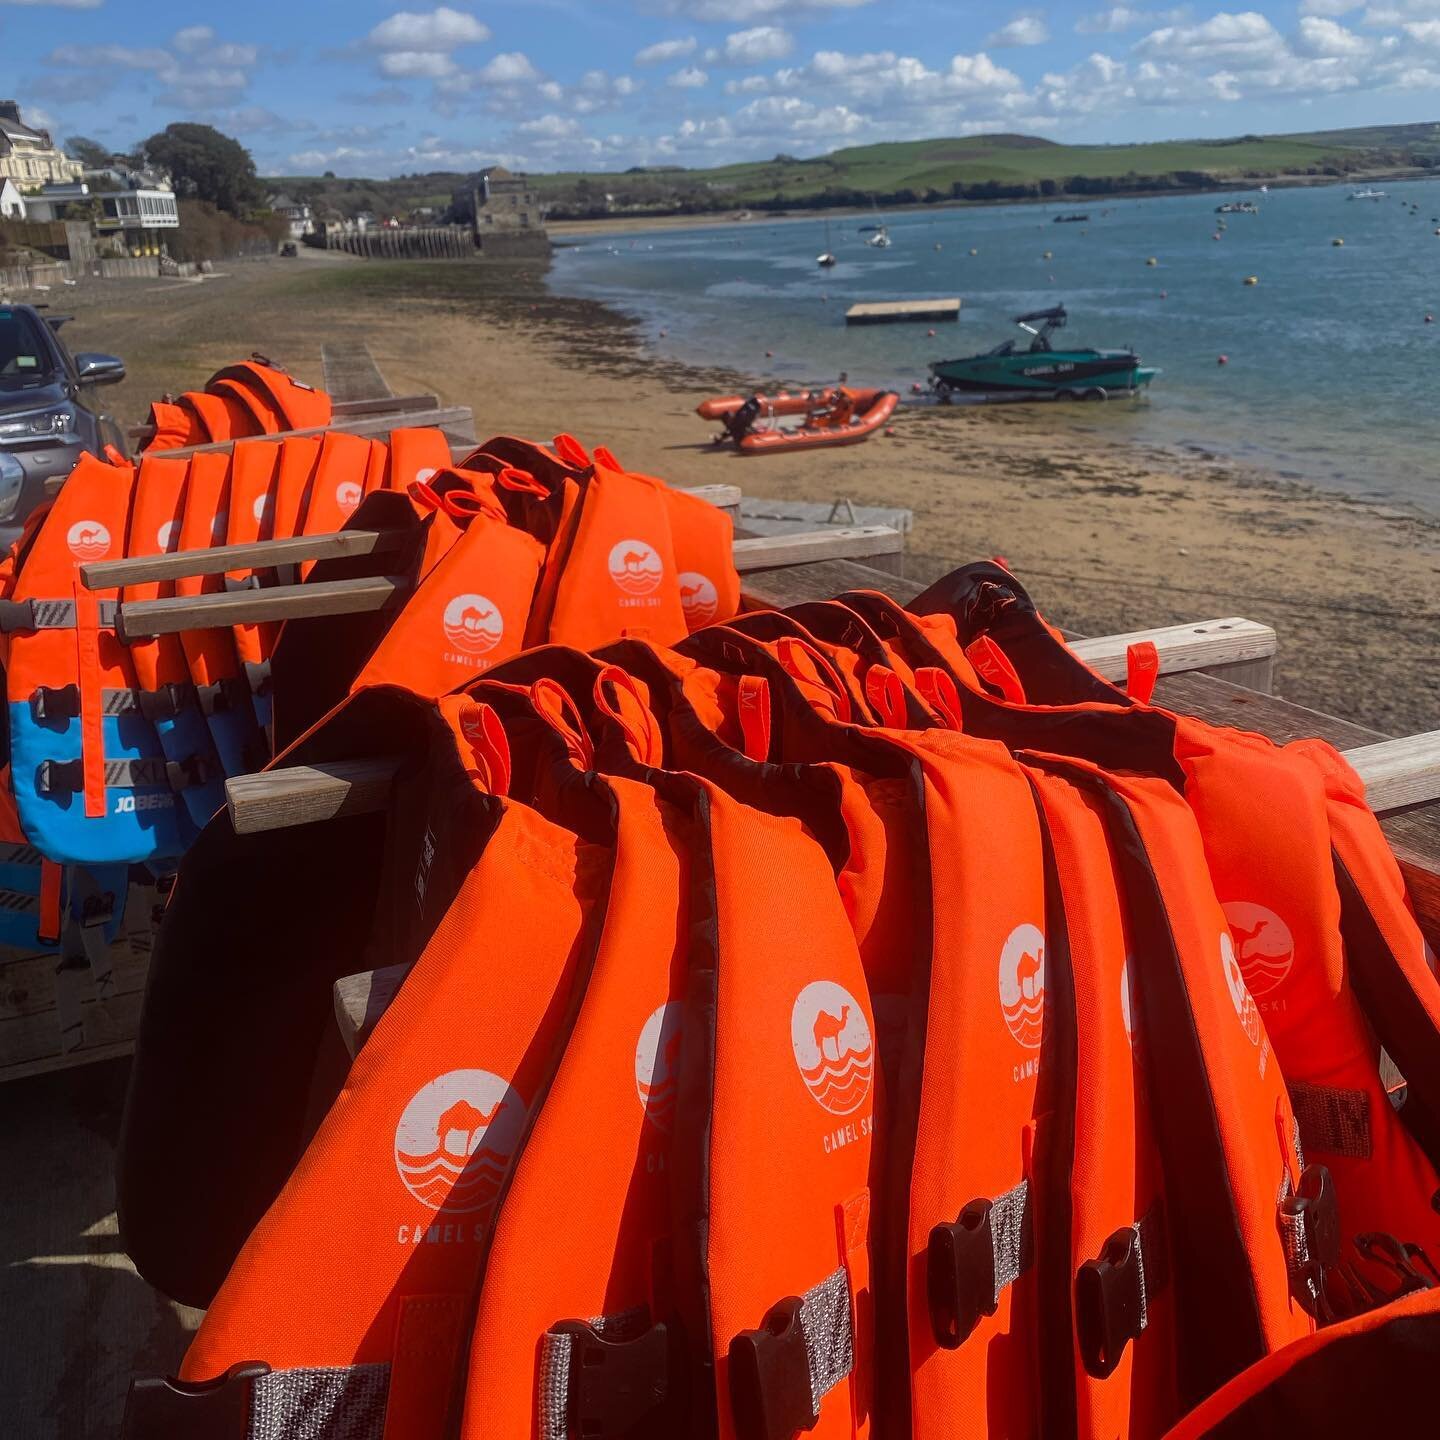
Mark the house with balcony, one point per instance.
(296, 213)
(29, 157)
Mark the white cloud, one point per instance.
(1329, 7)
(1424, 32)
(1245, 41)
(417, 64)
(756, 46)
(198, 73)
(1119, 18)
(742, 10)
(1023, 30)
(550, 127)
(690, 78)
(438, 31)
(1327, 39)
(664, 51)
(509, 68)
(192, 38)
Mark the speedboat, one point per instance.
(1238, 207)
(1014, 371)
(1076, 219)
(1367, 194)
(880, 240)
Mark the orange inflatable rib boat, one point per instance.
(848, 417)
(785, 403)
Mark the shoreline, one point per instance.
(636, 224)
(1108, 532)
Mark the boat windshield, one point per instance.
(25, 358)
(1006, 347)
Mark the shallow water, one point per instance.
(1331, 369)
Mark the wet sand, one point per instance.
(1108, 534)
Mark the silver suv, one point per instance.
(48, 415)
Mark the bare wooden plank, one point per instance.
(1183, 647)
(351, 372)
(458, 422)
(1400, 772)
(360, 1001)
(253, 607)
(881, 312)
(387, 405)
(821, 580)
(840, 542)
(259, 555)
(300, 794)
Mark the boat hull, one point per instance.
(785, 403)
(1043, 373)
(872, 409)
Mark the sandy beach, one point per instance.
(1108, 534)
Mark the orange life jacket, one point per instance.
(173, 426)
(297, 405)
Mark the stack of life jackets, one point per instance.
(852, 1021)
(254, 397)
(119, 748)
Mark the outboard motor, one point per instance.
(742, 421)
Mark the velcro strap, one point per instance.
(781, 1372)
(971, 1262)
(606, 1376)
(62, 702)
(49, 615)
(1332, 1120)
(67, 777)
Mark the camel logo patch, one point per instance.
(347, 495)
(1235, 984)
(455, 1139)
(635, 567)
(1264, 945)
(473, 624)
(88, 540)
(657, 1065)
(165, 536)
(1022, 984)
(263, 507)
(833, 1046)
(699, 599)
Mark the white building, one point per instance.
(137, 210)
(28, 156)
(12, 202)
(296, 214)
(52, 200)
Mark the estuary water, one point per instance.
(1331, 368)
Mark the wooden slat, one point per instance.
(821, 580)
(253, 607)
(351, 372)
(300, 794)
(458, 422)
(260, 555)
(1400, 772)
(1184, 647)
(387, 405)
(360, 1000)
(838, 542)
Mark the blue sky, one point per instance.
(370, 88)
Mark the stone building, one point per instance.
(28, 156)
(503, 212)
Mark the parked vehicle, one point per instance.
(49, 417)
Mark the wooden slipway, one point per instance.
(888, 312)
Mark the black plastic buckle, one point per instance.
(55, 702)
(165, 703)
(257, 674)
(236, 585)
(223, 696)
(619, 1389)
(59, 777)
(183, 774)
(960, 1275)
(160, 1408)
(1109, 1310)
(16, 615)
(770, 1376)
(1312, 1206)
(1397, 1256)
(97, 910)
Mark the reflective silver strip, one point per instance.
(16, 903)
(1010, 1236)
(552, 1386)
(1333, 1120)
(829, 1340)
(323, 1404)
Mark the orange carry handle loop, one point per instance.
(993, 665)
(606, 457)
(1142, 670)
(515, 479)
(489, 745)
(939, 691)
(886, 693)
(752, 697)
(792, 652)
(569, 449)
(553, 704)
(51, 878)
(642, 731)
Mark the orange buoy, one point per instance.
(888, 430)
(930, 333)
(1223, 360)
(769, 354)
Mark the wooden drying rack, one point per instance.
(1220, 670)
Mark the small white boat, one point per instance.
(826, 258)
(880, 240)
(1367, 194)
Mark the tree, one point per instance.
(90, 153)
(203, 164)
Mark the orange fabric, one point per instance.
(337, 487)
(417, 454)
(300, 406)
(52, 880)
(92, 734)
(265, 415)
(210, 653)
(174, 427)
(254, 474)
(293, 480)
(156, 513)
(220, 417)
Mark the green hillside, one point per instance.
(985, 167)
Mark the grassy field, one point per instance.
(980, 168)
